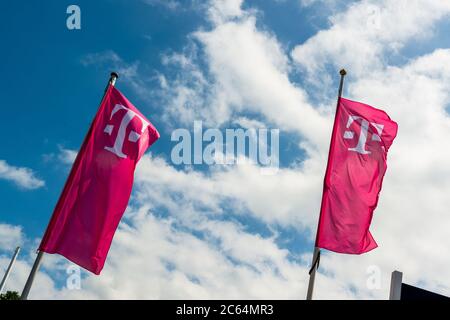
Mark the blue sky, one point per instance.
(273, 62)
(56, 96)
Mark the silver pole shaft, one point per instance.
(30, 280)
(312, 275)
(37, 262)
(8, 271)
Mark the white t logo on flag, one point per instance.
(361, 146)
(120, 139)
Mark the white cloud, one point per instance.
(169, 4)
(179, 265)
(361, 38)
(224, 262)
(128, 72)
(64, 156)
(247, 123)
(274, 199)
(326, 4)
(24, 178)
(10, 236)
(43, 287)
(221, 11)
(67, 156)
(250, 69)
(176, 220)
(410, 223)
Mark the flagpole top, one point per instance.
(113, 78)
(342, 72)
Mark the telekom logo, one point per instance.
(361, 146)
(134, 136)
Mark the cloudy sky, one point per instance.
(228, 231)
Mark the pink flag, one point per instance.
(360, 141)
(97, 191)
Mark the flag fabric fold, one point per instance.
(98, 188)
(357, 162)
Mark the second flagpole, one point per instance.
(8, 270)
(37, 262)
(316, 254)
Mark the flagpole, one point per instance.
(316, 255)
(40, 254)
(8, 271)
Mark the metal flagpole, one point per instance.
(316, 254)
(37, 262)
(8, 271)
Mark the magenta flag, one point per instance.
(360, 142)
(97, 191)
